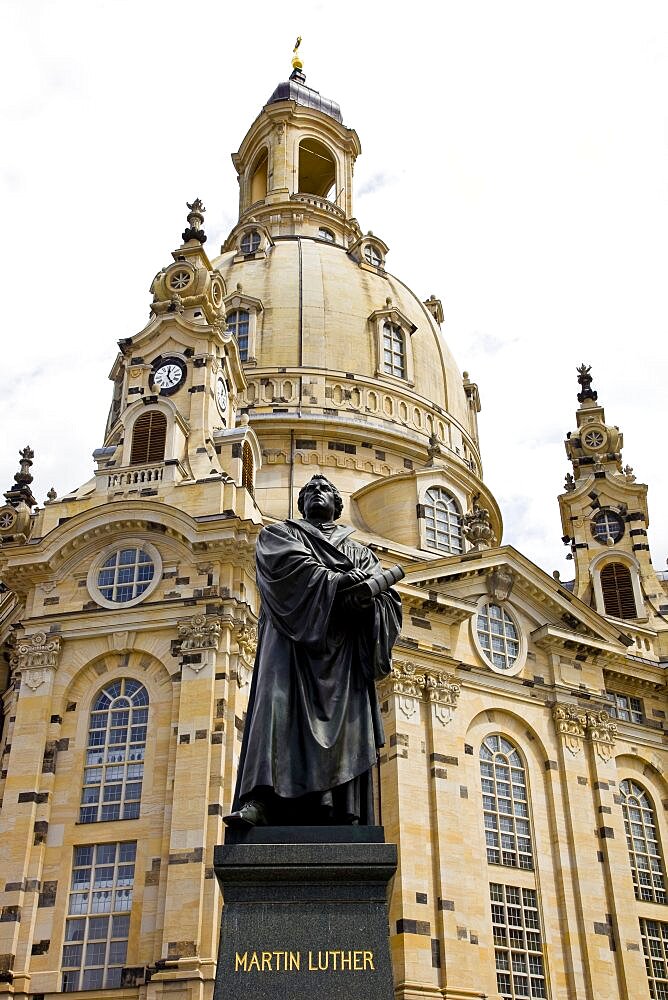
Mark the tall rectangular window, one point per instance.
(98, 921)
(654, 935)
(520, 970)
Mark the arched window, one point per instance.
(643, 843)
(259, 178)
(317, 169)
(443, 523)
(394, 350)
(247, 470)
(505, 804)
(149, 436)
(115, 754)
(238, 325)
(250, 242)
(617, 588)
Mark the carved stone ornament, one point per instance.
(199, 632)
(247, 641)
(406, 683)
(500, 583)
(478, 529)
(443, 691)
(36, 657)
(570, 722)
(411, 684)
(601, 731)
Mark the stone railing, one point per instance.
(322, 203)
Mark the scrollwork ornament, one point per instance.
(601, 731)
(38, 651)
(406, 683)
(247, 642)
(199, 632)
(442, 691)
(570, 723)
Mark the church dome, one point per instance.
(337, 351)
(321, 310)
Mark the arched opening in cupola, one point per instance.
(258, 184)
(317, 169)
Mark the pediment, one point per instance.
(554, 616)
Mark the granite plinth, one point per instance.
(305, 914)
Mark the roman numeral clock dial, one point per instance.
(168, 375)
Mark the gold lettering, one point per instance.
(368, 957)
(311, 966)
(357, 959)
(266, 961)
(295, 957)
(240, 961)
(321, 954)
(254, 962)
(346, 960)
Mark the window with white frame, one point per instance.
(250, 241)
(607, 527)
(654, 934)
(394, 350)
(114, 768)
(443, 522)
(625, 707)
(642, 841)
(238, 324)
(505, 804)
(498, 636)
(518, 946)
(98, 916)
(372, 255)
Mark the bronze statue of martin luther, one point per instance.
(313, 725)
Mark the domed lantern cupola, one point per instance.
(295, 167)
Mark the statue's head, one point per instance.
(319, 486)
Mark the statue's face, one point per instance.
(319, 501)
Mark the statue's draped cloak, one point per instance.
(313, 721)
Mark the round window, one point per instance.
(178, 280)
(372, 256)
(594, 439)
(498, 637)
(124, 575)
(607, 527)
(250, 242)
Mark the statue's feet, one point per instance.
(252, 813)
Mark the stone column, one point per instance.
(186, 957)
(27, 796)
(617, 930)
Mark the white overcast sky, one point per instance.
(515, 160)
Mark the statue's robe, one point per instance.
(313, 724)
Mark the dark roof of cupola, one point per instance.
(295, 89)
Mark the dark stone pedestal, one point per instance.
(305, 914)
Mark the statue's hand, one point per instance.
(348, 580)
(351, 601)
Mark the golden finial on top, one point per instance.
(296, 61)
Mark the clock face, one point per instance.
(168, 375)
(221, 395)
